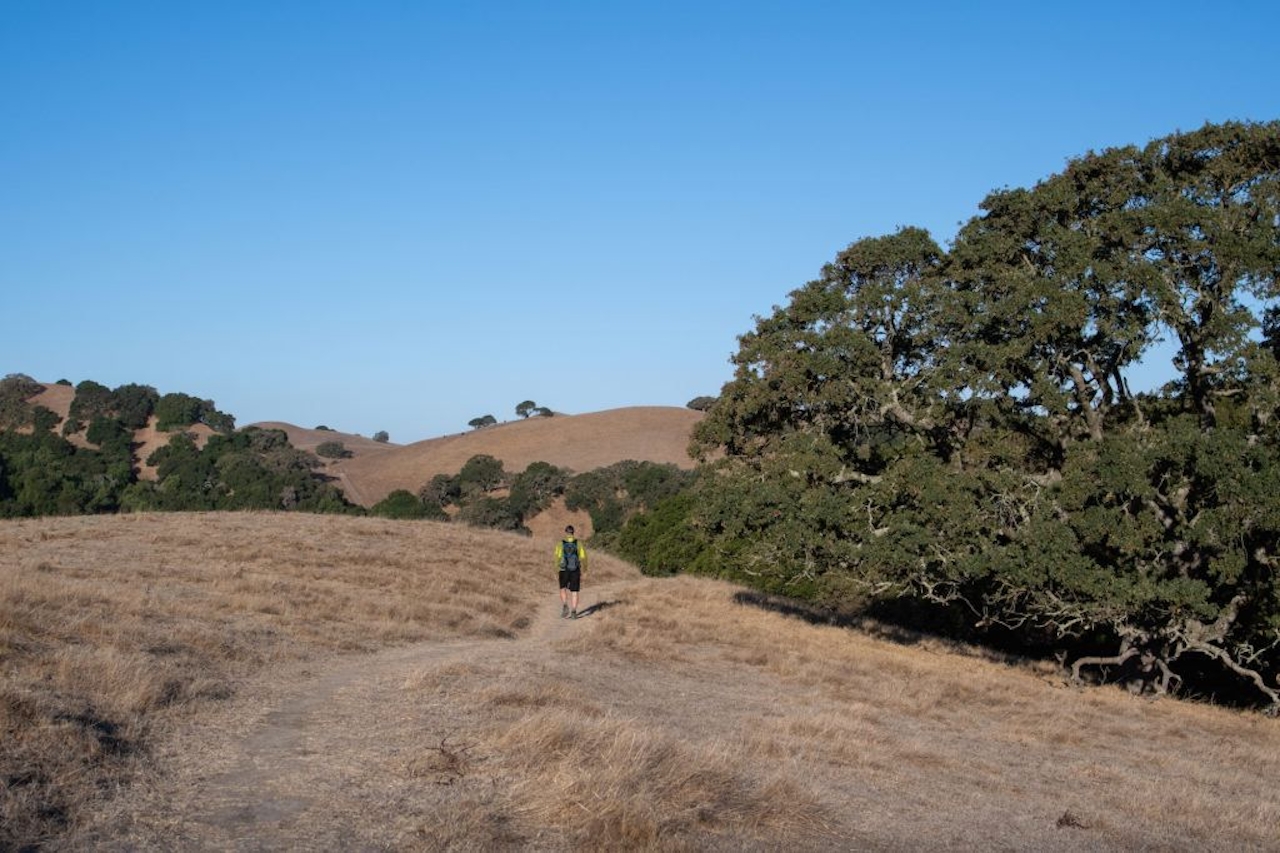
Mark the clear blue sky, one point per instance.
(403, 215)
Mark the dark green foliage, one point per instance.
(15, 390)
(614, 494)
(473, 489)
(43, 419)
(543, 412)
(956, 430)
(66, 382)
(131, 404)
(442, 491)
(134, 404)
(252, 468)
(491, 512)
(536, 487)
(323, 428)
(174, 411)
(481, 473)
(526, 408)
(43, 474)
(482, 421)
(701, 404)
(92, 400)
(333, 450)
(110, 433)
(664, 541)
(382, 436)
(402, 504)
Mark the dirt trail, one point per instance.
(299, 763)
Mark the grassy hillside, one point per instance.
(113, 628)
(577, 442)
(153, 663)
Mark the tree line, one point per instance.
(43, 472)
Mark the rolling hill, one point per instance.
(373, 469)
(577, 442)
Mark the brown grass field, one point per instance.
(289, 682)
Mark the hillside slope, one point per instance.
(58, 398)
(288, 681)
(577, 442)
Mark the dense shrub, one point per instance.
(134, 404)
(481, 473)
(333, 450)
(614, 494)
(536, 487)
(663, 540)
(252, 468)
(402, 504)
(495, 513)
(442, 491)
(174, 411)
(15, 390)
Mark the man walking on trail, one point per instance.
(571, 557)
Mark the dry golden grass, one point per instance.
(111, 626)
(948, 748)
(227, 668)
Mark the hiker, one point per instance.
(571, 557)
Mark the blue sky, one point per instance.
(400, 216)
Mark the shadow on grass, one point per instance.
(597, 607)
(816, 615)
(897, 625)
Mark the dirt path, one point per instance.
(300, 763)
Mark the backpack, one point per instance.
(569, 555)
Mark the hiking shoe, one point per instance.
(573, 615)
(564, 611)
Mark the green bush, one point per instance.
(442, 491)
(533, 490)
(175, 411)
(495, 513)
(134, 404)
(402, 504)
(482, 473)
(15, 390)
(333, 450)
(663, 541)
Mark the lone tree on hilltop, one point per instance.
(382, 436)
(483, 421)
(701, 404)
(527, 408)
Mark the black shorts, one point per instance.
(571, 581)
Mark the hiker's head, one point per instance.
(569, 530)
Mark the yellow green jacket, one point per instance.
(570, 541)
